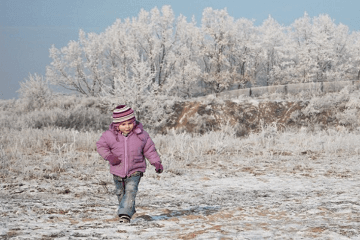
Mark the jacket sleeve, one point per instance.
(102, 146)
(150, 151)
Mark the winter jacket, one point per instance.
(131, 150)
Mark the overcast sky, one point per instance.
(28, 28)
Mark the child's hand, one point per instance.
(113, 160)
(158, 167)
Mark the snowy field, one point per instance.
(269, 185)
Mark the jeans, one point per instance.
(126, 189)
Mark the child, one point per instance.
(125, 145)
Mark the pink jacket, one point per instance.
(131, 150)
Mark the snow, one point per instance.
(206, 202)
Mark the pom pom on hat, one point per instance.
(122, 113)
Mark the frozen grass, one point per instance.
(28, 152)
(69, 112)
(269, 185)
(58, 150)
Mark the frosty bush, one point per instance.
(63, 111)
(7, 105)
(4, 162)
(34, 91)
(78, 118)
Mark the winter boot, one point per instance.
(124, 218)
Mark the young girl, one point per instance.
(126, 145)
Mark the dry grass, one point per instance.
(34, 153)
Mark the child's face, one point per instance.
(126, 127)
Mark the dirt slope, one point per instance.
(247, 116)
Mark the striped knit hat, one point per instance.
(122, 113)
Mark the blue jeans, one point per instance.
(126, 189)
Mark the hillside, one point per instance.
(333, 110)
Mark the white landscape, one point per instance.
(268, 185)
(297, 177)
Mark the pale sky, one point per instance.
(28, 28)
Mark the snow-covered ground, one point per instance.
(258, 187)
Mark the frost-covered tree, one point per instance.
(223, 52)
(218, 50)
(354, 60)
(274, 42)
(151, 56)
(331, 48)
(153, 33)
(305, 65)
(166, 46)
(247, 54)
(321, 49)
(80, 66)
(134, 90)
(186, 70)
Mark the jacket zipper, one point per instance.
(126, 158)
